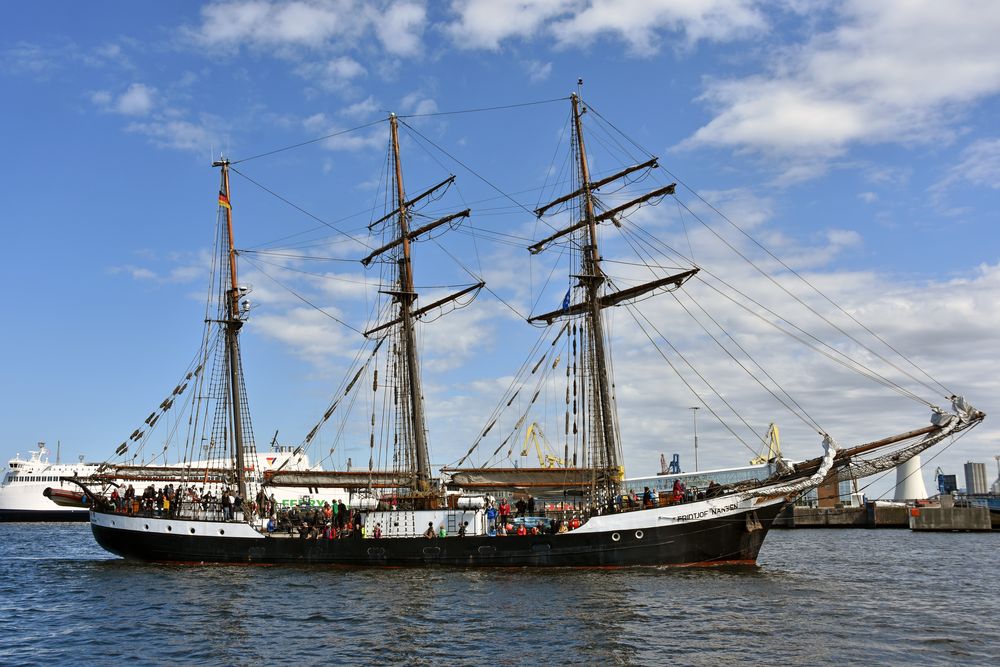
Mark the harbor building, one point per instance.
(975, 478)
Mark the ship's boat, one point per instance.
(581, 513)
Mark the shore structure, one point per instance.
(474, 514)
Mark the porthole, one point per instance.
(169, 529)
(638, 534)
(192, 530)
(222, 531)
(615, 537)
(146, 526)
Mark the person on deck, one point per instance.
(504, 510)
(521, 530)
(463, 528)
(377, 532)
(429, 533)
(677, 493)
(341, 515)
(647, 499)
(261, 504)
(491, 520)
(441, 531)
(521, 506)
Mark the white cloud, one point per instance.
(638, 22)
(137, 100)
(538, 71)
(366, 108)
(868, 197)
(312, 24)
(178, 134)
(979, 165)
(417, 103)
(894, 71)
(400, 27)
(263, 24)
(335, 75)
(486, 24)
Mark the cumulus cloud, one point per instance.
(639, 23)
(485, 24)
(335, 75)
(312, 24)
(896, 71)
(136, 100)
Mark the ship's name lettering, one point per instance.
(727, 508)
(694, 516)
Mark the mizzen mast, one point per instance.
(232, 324)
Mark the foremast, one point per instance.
(232, 324)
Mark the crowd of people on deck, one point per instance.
(336, 520)
(170, 501)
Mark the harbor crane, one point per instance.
(546, 457)
(773, 447)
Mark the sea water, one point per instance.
(844, 597)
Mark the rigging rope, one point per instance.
(298, 208)
(300, 297)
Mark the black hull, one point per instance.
(733, 539)
(43, 515)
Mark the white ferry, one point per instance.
(31, 489)
(25, 480)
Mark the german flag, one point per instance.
(224, 200)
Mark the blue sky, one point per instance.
(857, 140)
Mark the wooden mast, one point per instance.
(406, 297)
(593, 278)
(233, 323)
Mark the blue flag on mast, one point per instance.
(565, 304)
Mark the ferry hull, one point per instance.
(733, 539)
(55, 514)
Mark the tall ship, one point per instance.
(573, 509)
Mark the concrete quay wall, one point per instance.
(843, 517)
(950, 518)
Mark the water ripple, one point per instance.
(817, 597)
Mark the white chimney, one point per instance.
(910, 481)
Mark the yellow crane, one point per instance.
(773, 447)
(546, 457)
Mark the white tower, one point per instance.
(909, 481)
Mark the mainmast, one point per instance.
(233, 323)
(406, 296)
(592, 279)
(605, 435)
